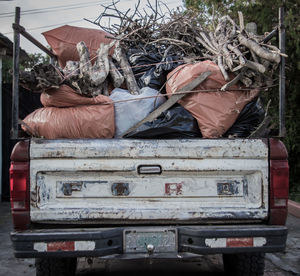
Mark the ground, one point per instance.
(280, 264)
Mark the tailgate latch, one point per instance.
(227, 188)
(69, 187)
(120, 189)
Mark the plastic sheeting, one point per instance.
(151, 69)
(128, 112)
(175, 123)
(65, 96)
(215, 111)
(63, 41)
(249, 119)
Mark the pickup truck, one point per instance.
(148, 199)
(163, 198)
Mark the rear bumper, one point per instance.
(109, 241)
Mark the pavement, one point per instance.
(285, 263)
(294, 208)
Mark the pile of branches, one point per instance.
(153, 28)
(41, 77)
(85, 78)
(241, 55)
(237, 51)
(92, 80)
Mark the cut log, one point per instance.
(100, 69)
(85, 63)
(255, 66)
(115, 74)
(121, 58)
(241, 20)
(238, 53)
(221, 66)
(257, 49)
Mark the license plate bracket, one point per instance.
(163, 240)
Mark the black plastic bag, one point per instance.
(152, 69)
(249, 119)
(175, 123)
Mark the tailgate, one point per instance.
(148, 181)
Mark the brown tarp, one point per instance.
(69, 115)
(215, 111)
(63, 42)
(65, 96)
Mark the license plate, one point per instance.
(162, 240)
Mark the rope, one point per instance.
(188, 92)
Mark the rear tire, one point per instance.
(55, 266)
(245, 264)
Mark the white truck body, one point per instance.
(123, 181)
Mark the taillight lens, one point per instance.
(19, 194)
(279, 182)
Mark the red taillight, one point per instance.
(279, 182)
(19, 186)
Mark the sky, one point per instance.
(38, 16)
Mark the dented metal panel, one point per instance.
(197, 180)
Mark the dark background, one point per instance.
(28, 102)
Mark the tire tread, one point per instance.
(55, 266)
(246, 264)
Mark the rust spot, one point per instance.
(61, 246)
(173, 188)
(239, 242)
(120, 189)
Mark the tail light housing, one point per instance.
(19, 186)
(279, 182)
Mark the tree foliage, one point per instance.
(25, 64)
(265, 15)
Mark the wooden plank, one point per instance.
(20, 29)
(171, 101)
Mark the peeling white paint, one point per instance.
(259, 241)
(215, 243)
(129, 148)
(78, 246)
(197, 164)
(84, 245)
(40, 246)
(222, 242)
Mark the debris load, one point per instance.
(143, 63)
(245, 54)
(131, 109)
(65, 116)
(63, 41)
(175, 122)
(215, 111)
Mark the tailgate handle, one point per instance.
(149, 169)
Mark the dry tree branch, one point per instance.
(258, 50)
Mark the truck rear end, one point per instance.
(149, 198)
(146, 198)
